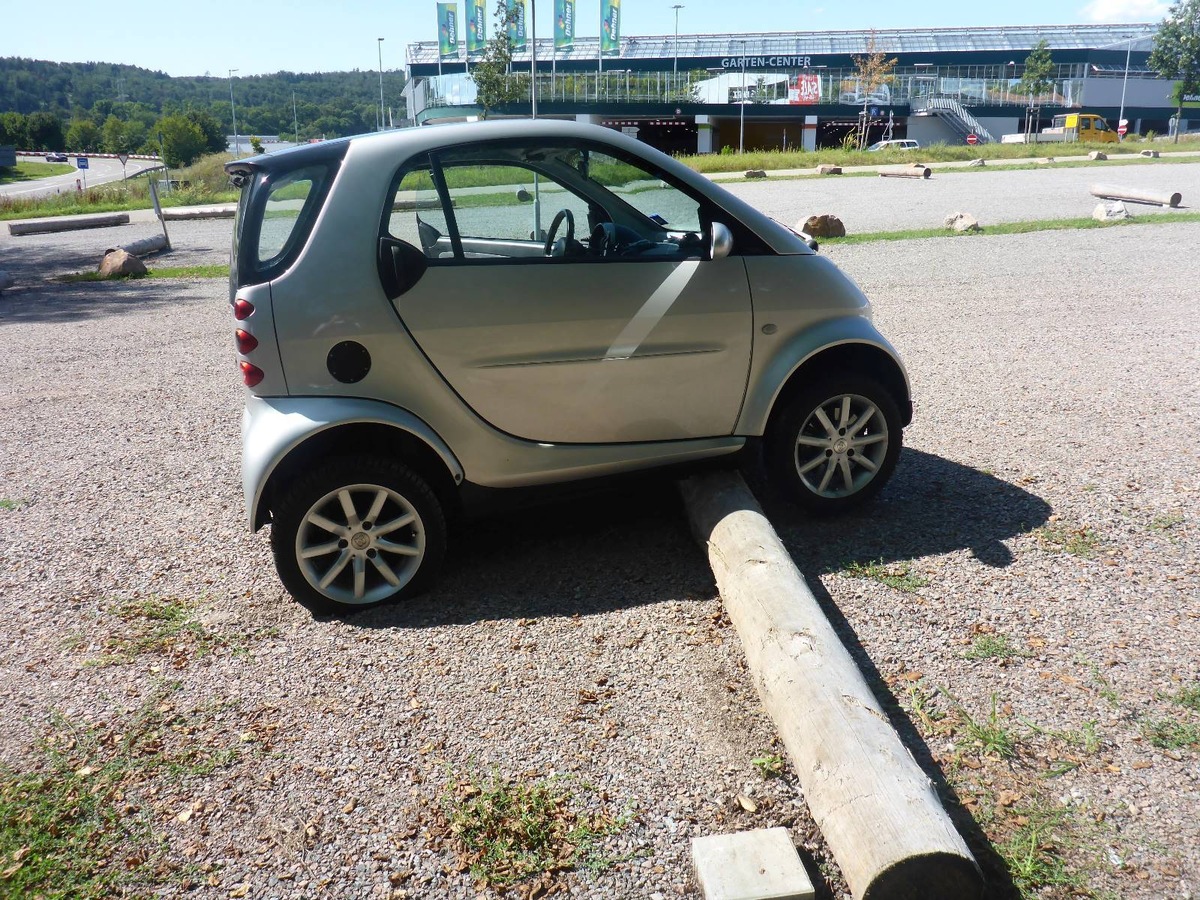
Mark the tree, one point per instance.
(1037, 79)
(1176, 54)
(256, 145)
(873, 71)
(14, 130)
(210, 127)
(84, 136)
(494, 85)
(45, 131)
(182, 140)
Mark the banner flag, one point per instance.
(516, 29)
(447, 29)
(476, 27)
(564, 24)
(610, 28)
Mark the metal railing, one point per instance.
(955, 115)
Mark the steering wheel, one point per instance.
(548, 250)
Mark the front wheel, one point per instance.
(835, 444)
(355, 532)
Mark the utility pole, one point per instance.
(1124, 83)
(742, 106)
(295, 121)
(237, 145)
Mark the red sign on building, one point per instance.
(805, 89)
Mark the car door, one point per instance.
(648, 342)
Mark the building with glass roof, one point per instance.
(774, 90)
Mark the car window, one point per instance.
(652, 197)
(511, 200)
(286, 201)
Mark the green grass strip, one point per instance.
(30, 171)
(914, 234)
(214, 271)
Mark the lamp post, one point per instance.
(675, 68)
(237, 145)
(379, 46)
(742, 106)
(1124, 84)
(295, 120)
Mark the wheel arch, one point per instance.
(284, 438)
(857, 357)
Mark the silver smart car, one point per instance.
(511, 304)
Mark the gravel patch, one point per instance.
(586, 642)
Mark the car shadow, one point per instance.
(61, 302)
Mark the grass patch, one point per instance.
(10, 505)
(898, 575)
(156, 625)
(214, 271)
(1166, 523)
(913, 234)
(1062, 537)
(514, 831)
(1171, 734)
(1189, 697)
(1035, 852)
(68, 827)
(993, 646)
(30, 171)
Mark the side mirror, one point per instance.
(722, 241)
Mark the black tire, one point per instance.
(406, 540)
(809, 461)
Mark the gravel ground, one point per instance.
(586, 642)
(892, 204)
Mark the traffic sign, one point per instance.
(972, 139)
(1122, 129)
(81, 162)
(123, 157)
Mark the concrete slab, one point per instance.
(750, 865)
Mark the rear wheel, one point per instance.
(356, 532)
(835, 444)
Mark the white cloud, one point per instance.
(1125, 10)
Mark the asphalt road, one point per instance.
(100, 171)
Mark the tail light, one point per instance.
(242, 309)
(251, 374)
(245, 341)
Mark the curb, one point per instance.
(67, 223)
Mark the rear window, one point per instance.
(288, 199)
(276, 216)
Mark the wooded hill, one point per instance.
(328, 104)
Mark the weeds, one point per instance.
(993, 646)
(1167, 522)
(898, 575)
(769, 765)
(216, 271)
(1061, 537)
(67, 827)
(1171, 734)
(512, 831)
(156, 625)
(1034, 853)
(1189, 697)
(991, 736)
(12, 505)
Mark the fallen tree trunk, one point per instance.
(1136, 195)
(878, 811)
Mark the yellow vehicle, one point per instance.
(1084, 127)
(1087, 128)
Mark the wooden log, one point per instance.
(212, 212)
(1136, 195)
(145, 246)
(878, 811)
(916, 170)
(67, 223)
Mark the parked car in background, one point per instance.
(56, 157)
(902, 144)
(429, 315)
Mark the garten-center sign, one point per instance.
(767, 62)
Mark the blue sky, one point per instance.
(264, 36)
